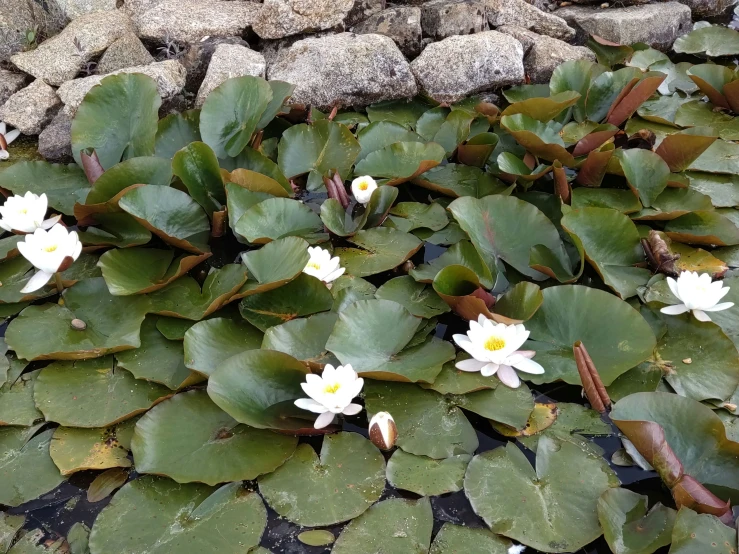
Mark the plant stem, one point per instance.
(58, 281)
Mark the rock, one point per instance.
(456, 67)
(402, 24)
(72, 9)
(197, 59)
(344, 70)
(522, 14)
(656, 24)
(445, 18)
(55, 142)
(169, 75)
(192, 20)
(542, 53)
(127, 51)
(10, 83)
(230, 60)
(17, 18)
(61, 58)
(708, 8)
(282, 18)
(30, 109)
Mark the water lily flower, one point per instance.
(382, 431)
(26, 213)
(495, 349)
(6, 137)
(322, 266)
(697, 294)
(331, 394)
(516, 549)
(49, 251)
(362, 188)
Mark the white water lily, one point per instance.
(49, 251)
(516, 549)
(697, 294)
(362, 188)
(6, 137)
(26, 213)
(322, 266)
(495, 349)
(382, 431)
(331, 394)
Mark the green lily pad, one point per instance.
(426, 476)
(160, 516)
(45, 332)
(209, 343)
(701, 114)
(393, 526)
(197, 166)
(573, 422)
(140, 270)
(9, 527)
(231, 113)
(541, 139)
(627, 526)
(457, 180)
(259, 388)
(612, 246)
(26, 469)
(405, 112)
(321, 147)
(429, 424)
(646, 172)
(347, 289)
(317, 537)
(93, 393)
(87, 449)
(455, 381)
(39, 542)
(379, 249)
(170, 214)
(723, 190)
(419, 300)
(275, 264)
(63, 184)
(256, 162)
(721, 157)
(115, 229)
(212, 448)
(681, 149)
(379, 134)
(343, 224)
(695, 533)
(706, 227)
(104, 485)
(401, 161)
(458, 539)
(663, 109)
(313, 491)
(16, 396)
(508, 228)
(304, 339)
(463, 253)
(520, 302)
(148, 170)
(712, 41)
(575, 313)
(674, 202)
(276, 218)
(512, 165)
(540, 507)
(544, 109)
(409, 216)
(511, 407)
(117, 119)
(176, 131)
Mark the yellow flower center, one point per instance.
(24, 211)
(51, 248)
(494, 343)
(363, 185)
(331, 389)
(314, 265)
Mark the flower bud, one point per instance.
(382, 431)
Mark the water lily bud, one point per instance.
(382, 431)
(78, 325)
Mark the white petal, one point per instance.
(352, 409)
(37, 281)
(677, 309)
(719, 307)
(470, 365)
(49, 223)
(673, 287)
(489, 370)
(700, 315)
(324, 420)
(310, 405)
(334, 275)
(12, 135)
(528, 366)
(508, 376)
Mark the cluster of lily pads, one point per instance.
(208, 288)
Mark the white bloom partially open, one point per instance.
(26, 213)
(6, 137)
(697, 294)
(362, 188)
(49, 251)
(495, 349)
(322, 266)
(382, 431)
(331, 393)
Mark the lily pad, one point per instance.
(159, 516)
(426, 476)
(458, 180)
(575, 313)
(419, 300)
(409, 216)
(681, 149)
(539, 506)
(379, 249)
(706, 227)
(197, 166)
(87, 449)
(674, 202)
(276, 218)
(93, 393)
(721, 157)
(16, 396)
(401, 161)
(405, 112)
(63, 184)
(176, 131)
(343, 224)
(379, 134)
(321, 147)
(210, 343)
(520, 302)
(393, 526)
(458, 539)
(275, 264)
(701, 533)
(463, 253)
(212, 448)
(313, 491)
(9, 527)
(304, 339)
(646, 172)
(541, 139)
(146, 170)
(713, 40)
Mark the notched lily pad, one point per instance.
(426, 476)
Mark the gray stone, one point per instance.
(169, 76)
(656, 24)
(193, 20)
(30, 109)
(542, 54)
(708, 8)
(344, 70)
(402, 24)
(72, 9)
(17, 18)
(127, 51)
(451, 69)
(230, 60)
(61, 58)
(271, 49)
(522, 14)
(282, 18)
(55, 142)
(10, 83)
(445, 18)
(197, 59)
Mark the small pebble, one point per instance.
(604, 5)
(688, 361)
(78, 325)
